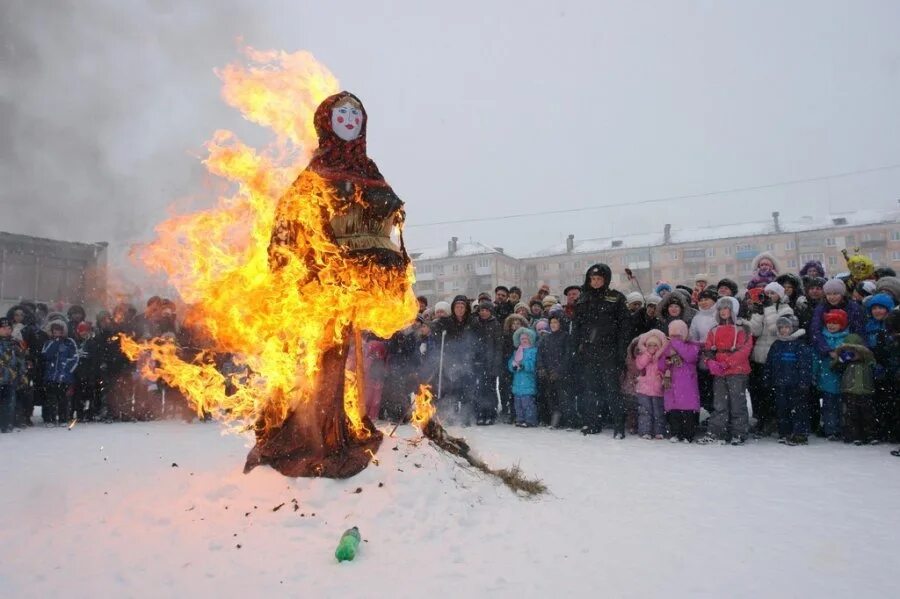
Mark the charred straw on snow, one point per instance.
(512, 477)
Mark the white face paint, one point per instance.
(346, 121)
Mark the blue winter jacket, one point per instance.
(12, 362)
(60, 360)
(828, 380)
(875, 327)
(789, 362)
(524, 380)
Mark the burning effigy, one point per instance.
(282, 276)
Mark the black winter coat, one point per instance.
(602, 325)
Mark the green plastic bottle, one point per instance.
(346, 549)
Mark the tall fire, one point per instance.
(284, 274)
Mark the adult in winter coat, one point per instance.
(675, 306)
(681, 394)
(789, 376)
(60, 356)
(456, 377)
(764, 328)
(702, 323)
(486, 359)
(727, 355)
(835, 299)
(601, 331)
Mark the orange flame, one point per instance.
(423, 408)
(275, 329)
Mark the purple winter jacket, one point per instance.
(684, 394)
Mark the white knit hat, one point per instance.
(634, 296)
(774, 287)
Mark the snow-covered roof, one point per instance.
(463, 248)
(709, 233)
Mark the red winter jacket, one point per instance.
(732, 345)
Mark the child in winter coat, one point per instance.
(827, 380)
(60, 356)
(553, 370)
(877, 308)
(629, 380)
(681, 395)
(649, 388)
(856, 362)
(727, 356)
(788, 375)
(523, 365)
(12, 371)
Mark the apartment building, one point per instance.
(673, 255)
(462, 268)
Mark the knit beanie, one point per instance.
(835, 286)
(653, 300)
(542, 326)
(678, 328)
(837, 316)
(788, 320)
(775, 288)
(548, 301)
(445, 306)
(633, 297)
(521, 305)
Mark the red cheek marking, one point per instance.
(357, 121)
(340, 119)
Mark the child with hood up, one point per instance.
(681, 395)
(523, 365)
(553, 371)
(629, 380)
(828, 381)
(727, 356)
(788, 374)
(649, 386)
(856, 363)
(765, 270)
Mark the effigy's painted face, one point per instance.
(346, 121)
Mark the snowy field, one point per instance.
(100, 511)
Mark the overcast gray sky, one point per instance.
(476, 108)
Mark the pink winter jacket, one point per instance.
(680, 358)
(649, 382)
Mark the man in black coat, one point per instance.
(502, 306)
(601, 334)
(485, 359)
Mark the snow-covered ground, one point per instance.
(100, 511)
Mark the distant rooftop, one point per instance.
(697, 234)
(463, 248)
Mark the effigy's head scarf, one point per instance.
(337, 158)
